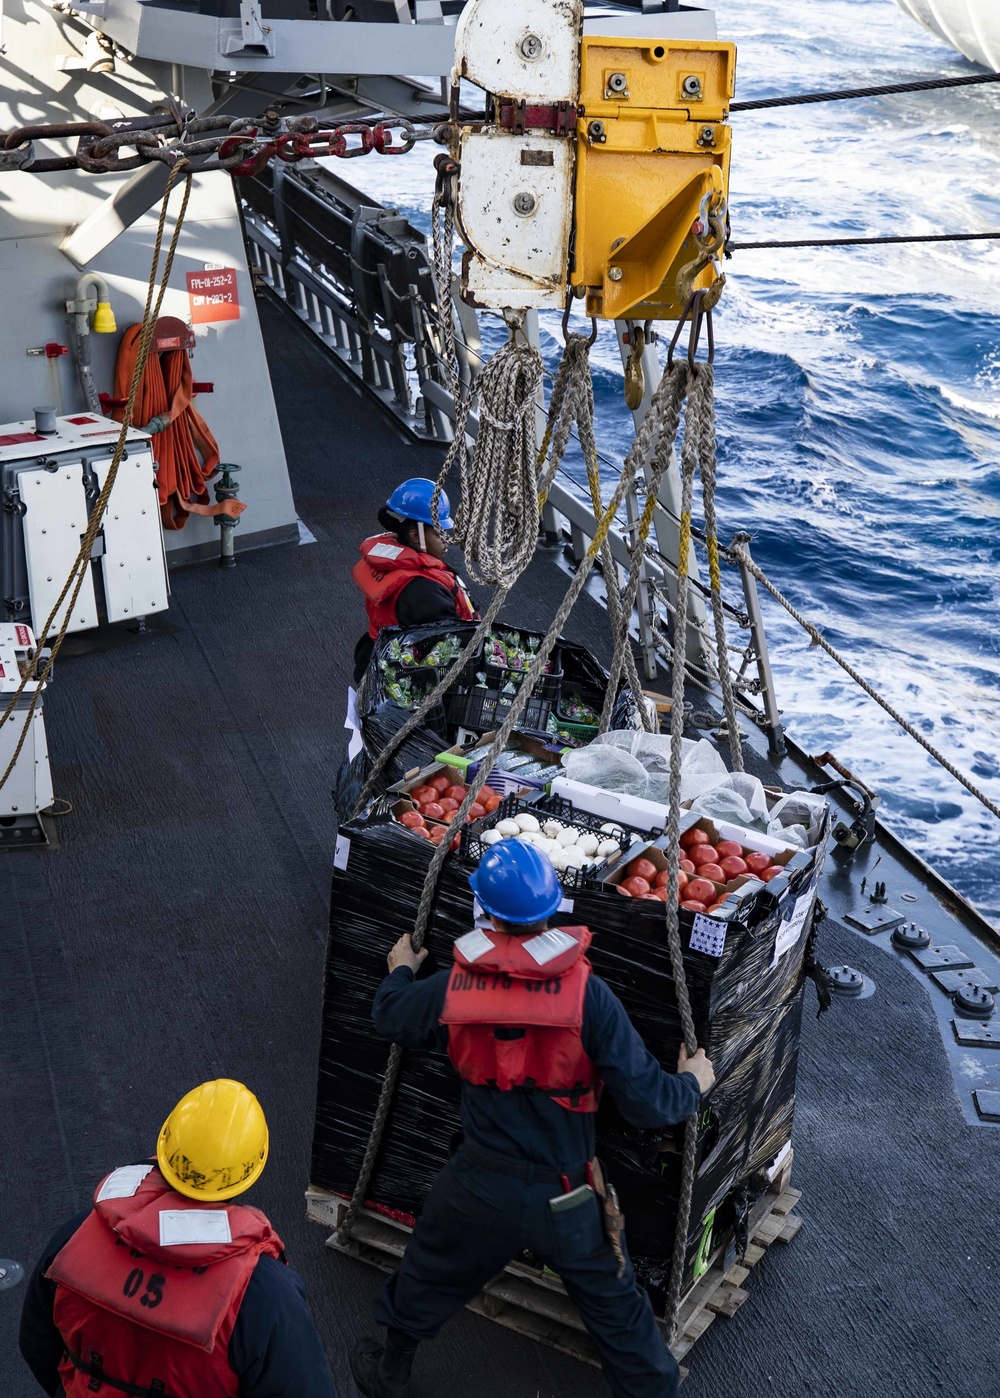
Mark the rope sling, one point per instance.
(505, 557)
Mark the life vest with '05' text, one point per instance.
(514, 1010)
(149, 1287)
(387, 566)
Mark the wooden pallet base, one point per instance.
(534, 1303)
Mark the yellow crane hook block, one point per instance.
(652, 173)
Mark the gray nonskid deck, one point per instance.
(178, 935)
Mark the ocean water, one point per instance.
(858, 402)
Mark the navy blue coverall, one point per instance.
(274, 1347)
(491, 1201)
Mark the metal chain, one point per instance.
(243, 146)
(740, 554)
(81, 565)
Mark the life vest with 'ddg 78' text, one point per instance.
(514, 1010)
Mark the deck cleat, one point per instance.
(973, 1002)
(911, 938)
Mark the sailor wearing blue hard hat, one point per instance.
(402, 572)
(535, 1036)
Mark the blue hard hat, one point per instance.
(516, 883)
(412, 500)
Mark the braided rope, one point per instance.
(498, 514)
(667, 410)
(689, 462)
(740, 554)
(703, 409)
(81, 565)
(638, 453)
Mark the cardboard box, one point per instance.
(612, 805)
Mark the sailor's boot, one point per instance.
(384, 1372)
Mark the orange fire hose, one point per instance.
(186, 453)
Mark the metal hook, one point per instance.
(699, 314)
(565, 323)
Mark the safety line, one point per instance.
(859, 242)
(888, 90)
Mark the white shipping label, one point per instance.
(123, 1182)
(790, 930)
(180, 1226)
(342, 852)
(474, 945)
(566, 906)
(708, 935)
(384, 551)
(548, 945)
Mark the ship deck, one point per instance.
(178, 934)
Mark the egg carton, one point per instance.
(473, 846)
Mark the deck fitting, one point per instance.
(11, 1273)
(848, 983)
(946, 958)
(987, 1104)
(874, 918)
(973, 1002)
(912, 937)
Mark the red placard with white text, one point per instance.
(213, 295)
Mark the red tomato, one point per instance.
(413, 819)
(448, 816)
(771, 873)
(423, 793)
(456, 842)
(642, 869)
(476, 811)
(725, 848)
(716, 906)
(440, 783)
(433, 810)
(457, 793)
(756, 862)
(637, 887)
(711, 871)
(700, 891)
(733, 865)
(660, 893)
(622, 889)
(437, 834)
(686, 866)
(694, 907)
(489, 799)
(661, 879)
(703, 854)
(448, 803)
(694, 837)
(422, 830)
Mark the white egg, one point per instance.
(588, 843)
(491, 837)
(568, 837)
(552, 828)
(507, 828)
(527, 822)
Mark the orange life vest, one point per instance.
(535, 984)
(149, 1287)
(387, 566)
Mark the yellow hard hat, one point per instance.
(213, 1145)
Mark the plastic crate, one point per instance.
(472, 848)
(546, 686)
(423, 678)
(483, 709)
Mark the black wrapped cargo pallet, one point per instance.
(534, 1303)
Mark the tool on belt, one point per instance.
(612, 1216)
